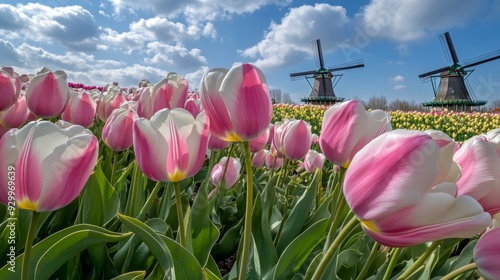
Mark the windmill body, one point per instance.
(322, 90)
(453, 92)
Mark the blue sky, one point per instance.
(98, 42)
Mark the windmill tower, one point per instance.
(324, 81)
(453, 92)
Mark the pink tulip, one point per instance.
(48, 93)
(259, 158)
(449, 169)
(118, 129)
(347, 127)
(49, 165)
(293, 139)
(272, 128)
(172, 145)
(237, 102)
(487, 254)
(16, 115)
(169, 93)
(108, 101)
(315, 138)
(80, 110)
(193, 106)
(10, 87)
(232, 172)
(313, 161)
(259, 142)
(273, 162)
(215, 143)
(391, 187)
(480, 178)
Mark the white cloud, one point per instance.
(289, 41)
(398, 87)
(175, 56)
(412, 20)
(396, 79)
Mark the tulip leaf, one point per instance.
(186, 265)
(133, 275)
(152, 240)
(299, 249)
(298, 216)
(65, 243)
(465, 256)
(201, 230)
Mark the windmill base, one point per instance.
(322, 100)
(455, 105)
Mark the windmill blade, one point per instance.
(303, 77)
(446, 49)
(312, 72)
(482, 59)
(430, 73)
(349, 65)
(453, 53)
(318, 52)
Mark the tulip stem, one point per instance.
(180, 215)
(416, 265)
(395, 252)
(113, 168)
(149, 202)
(368, 262)
(29, 243)
(247, 232)
(340, 203)
(330, 253)
(459, 271)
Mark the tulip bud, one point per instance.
(10, 87)
(117, 131)
(232, 172)
(80, 110)
(48, 93)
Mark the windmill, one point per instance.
(324, 80)
(453, 91)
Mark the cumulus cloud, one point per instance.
(398, 87)
(175, 56)
(396, 79)
(404, 21)
(289, 41)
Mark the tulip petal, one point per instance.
(150, 148)
(487, 253)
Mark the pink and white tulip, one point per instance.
(118, 129)
(293, 139)
(313, 161)
(272, 162)
(10, 87)
(480, 178)
(80, 110)
(215, 143)
(259, 158)
(172, 145)
(16, 115)
(347, 127)
(392, 188)
(50, 165)
(169, 93)
(487, 254)
(48, 93)
(108, 101)
(232, 172)
(259, 142)
(237, 102)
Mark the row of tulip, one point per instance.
(459, 125)
(135, 196)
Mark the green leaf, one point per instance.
(52, 252)
(299, 249)
(293, 225)
(202, 232)
(133, 275)
(261, 233)
(152, 240)
(465, 257)
(186, 265)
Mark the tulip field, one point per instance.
(162, 183)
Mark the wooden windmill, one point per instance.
(324, 81)
(452, 91)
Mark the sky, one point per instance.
(124, 41)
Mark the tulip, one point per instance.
(487, 253)
(237, 102)
(118, 129)
(169, 93)
(16, 115)
(347, 127)
(80, 110)
(313, 161)
(272, 162)
(449, 169)
(392, 187)
(172, 145)
(215, 143)
(48, 93)
(193, 106)
(232, 172)
(10, 87)
(259, 142)
(109, 101)
(293, 139)
(259, 158)
(480, 173)
(51, 165)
